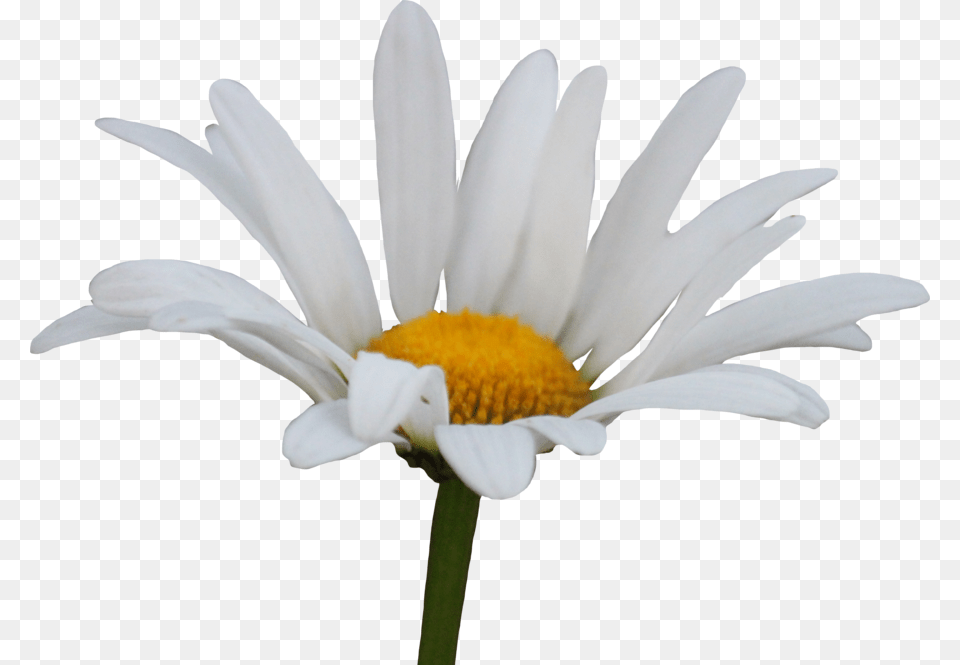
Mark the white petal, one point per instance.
(83, 324)
(584, 437)
(812, 412)
(287, 335)
(851, 337)
(715, 279)
(790, 316)
(634, 225)
(321, 434)
(329, 274)
(141, 288)
(416, 157)
(655, 283)
(495, 188)
(496, 461)
(549, 261)
(386, 394)
(752, 392)
(144, 288)
(228, 185)
(261, 340)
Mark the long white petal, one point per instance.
(83, 324)
(416, 157)
(288, 336)
(329, 274)
(228, 185)
(496, 461)
(584, 437)
(262, 341)
(790, 316)
(549, 261)
(715, 279)
(386, 394)
(851, 337)
(634, 225)
(495, 188)
(144, 288)
(321, 434)
(754, 392)
(656, 282)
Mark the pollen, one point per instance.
(497, 369)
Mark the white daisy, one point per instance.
(479, 392)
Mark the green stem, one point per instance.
(451, 542)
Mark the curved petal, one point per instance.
(144, 288)
(83, 324)
(386, 394)
(328, 272)
(416, 157)
(634, 225)
(655, 283)
(288, 336)
(496, 461)
(583, 437)
(321, 434)
(228, 185)
(715, 279)
(495, 188)
(753, 392)
(851, 337)
(262, 340)
(792, 315)
(549, 261)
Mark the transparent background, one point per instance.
(147, 515)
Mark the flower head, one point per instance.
(478, 392)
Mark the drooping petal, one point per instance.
(656, 282)
(83, 324)
(634, 225)
(497, 179)
(496, 461)
(386, 394)
(321, 434)
(754, 392)
(553, 248)
(328, 272)
(144, 288)
(289, 349)
(791, 315)
(416, 157)
(584, 437)
(228, 185)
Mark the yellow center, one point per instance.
(497, 369)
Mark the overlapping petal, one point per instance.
(328, 272)
(750, 391)
(83, 324)
(386, 394)
(321, 434)
(496, 184)
(715, 279)
(818, 312)
(634, 225)
(416, 157)
(655, 283)
(552, 247)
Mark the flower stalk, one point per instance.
(451, 544)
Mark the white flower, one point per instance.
(512, 241)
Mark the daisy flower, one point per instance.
(474, 394)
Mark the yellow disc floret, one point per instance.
(497, 369)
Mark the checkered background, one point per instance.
(146, 513)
